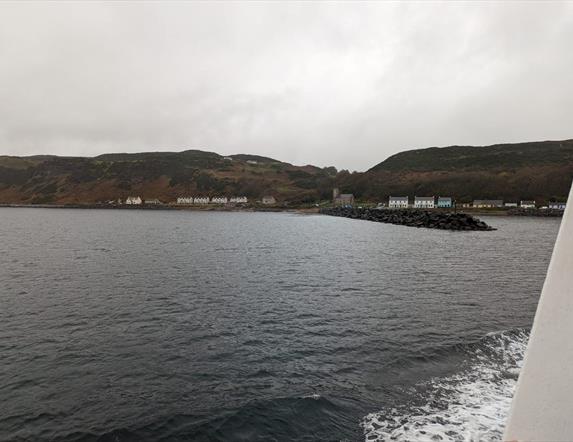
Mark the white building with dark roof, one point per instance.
(527, 204)
(487, 204)
(398, 202)
(219, 200)
(424, 202)
(131, 200)
(201, 200)
(557, 206)
(444, 202)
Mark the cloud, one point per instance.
(340, 84)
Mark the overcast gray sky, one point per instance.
(344, 84)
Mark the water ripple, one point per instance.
(167, 325)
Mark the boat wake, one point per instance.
(469, 406)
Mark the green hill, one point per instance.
(162, 175)
(498, 156)
(536, 170)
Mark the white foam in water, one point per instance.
(469, 406)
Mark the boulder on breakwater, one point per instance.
(432, 219)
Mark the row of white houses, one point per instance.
(214, 200)
(420, 202)
(188, 200)
(492, 204)
(430, 202)
(137, 200)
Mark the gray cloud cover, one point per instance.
(344, 84)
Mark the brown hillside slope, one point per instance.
(162, 175)
(538, 170)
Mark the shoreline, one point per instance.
(163, 207)
(219, 208)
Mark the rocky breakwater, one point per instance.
(554, 213)
(432, 219)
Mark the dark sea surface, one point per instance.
(130, 325)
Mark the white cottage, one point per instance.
(557, 206)
(219, 200)
(201, 200)
(398, 202)
(444, 202)
(268, 200)
(185, 200)
(133, 200)
(527, 204)
(424, 202)
(238, 199)
(487, 204)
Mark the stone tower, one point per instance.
(335, 193)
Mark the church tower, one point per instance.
(335, 193)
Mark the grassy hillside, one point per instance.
(498, 156)
(539, 170)
(163, 175)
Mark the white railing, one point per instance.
(542, 407)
